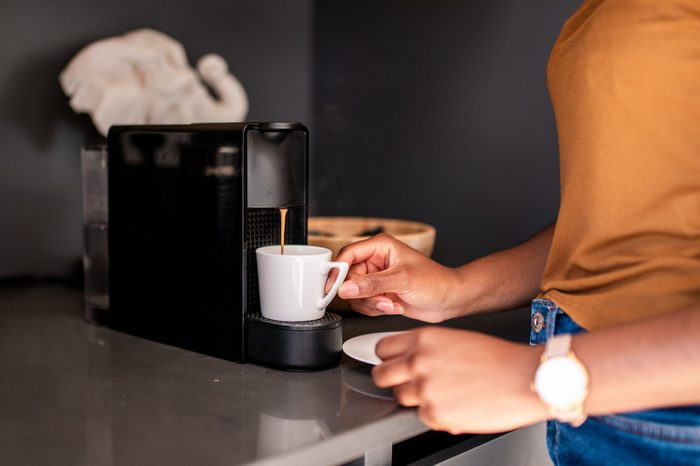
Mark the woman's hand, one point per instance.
(461, 381)
(389, 277)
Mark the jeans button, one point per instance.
(537, 322)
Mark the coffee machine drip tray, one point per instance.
(295, 346)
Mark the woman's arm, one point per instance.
(388, 277)
(506, 279)
(469, 382)
(647, 364)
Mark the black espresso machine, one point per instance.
(188, 206)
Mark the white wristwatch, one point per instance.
(561, 381)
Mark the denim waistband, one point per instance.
(547, 320)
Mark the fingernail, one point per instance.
(385, 306)
(348, 290)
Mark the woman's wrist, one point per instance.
(524, 369)
(506, 279)
(465, 294)
(453, 291)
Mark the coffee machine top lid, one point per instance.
(280, 126)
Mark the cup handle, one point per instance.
(326, 267)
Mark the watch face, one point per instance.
(560, 382)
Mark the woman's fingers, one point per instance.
(361, 306)
(392, 372)
(375, 249)
(395, 345)
(393, 280)
(375, 306)
(408, 394)
(381, 303)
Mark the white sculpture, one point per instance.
(144, 77)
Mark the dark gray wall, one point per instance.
(268, 45)
(438, 112)
(433, 111)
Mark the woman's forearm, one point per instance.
(506, 279)
(642, 365)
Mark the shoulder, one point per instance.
(632, 36)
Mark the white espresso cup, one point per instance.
(292, 285)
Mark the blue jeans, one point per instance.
(658, 437)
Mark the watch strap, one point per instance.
(559, 345)
(575, 416)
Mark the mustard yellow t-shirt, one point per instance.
(624, 79)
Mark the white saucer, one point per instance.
(362, 347)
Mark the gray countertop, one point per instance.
(73, 393)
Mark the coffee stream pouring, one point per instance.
(283, 221)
